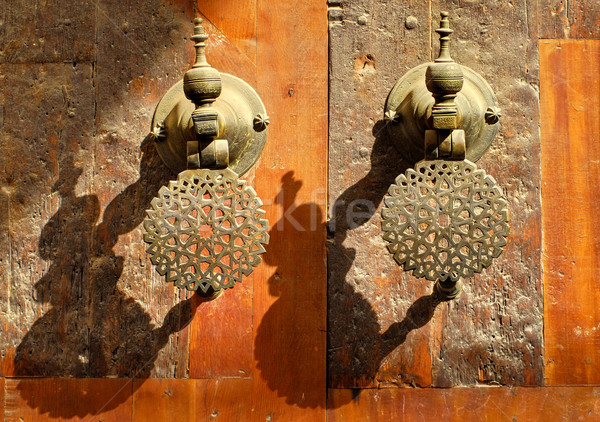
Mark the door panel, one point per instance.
(385, 327)
(570, 94)
(80, 297)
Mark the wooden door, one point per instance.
(530, 320)
(90, 331)
(328, 327)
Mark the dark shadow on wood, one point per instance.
(355, 347)
(93, 328)
(276, 327)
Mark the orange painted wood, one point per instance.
(236, 19)
(222, 53)
(2, 392)
(221, 330)
(466, 404)
(192, 400)
(570, 130)
(221, 335)
(290, 288)
(68, 399)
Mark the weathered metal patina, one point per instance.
(445, 219)
(206, 230)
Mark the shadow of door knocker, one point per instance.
(444, 219)
(206, 229)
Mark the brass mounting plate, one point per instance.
(410, 103)
(237, 106)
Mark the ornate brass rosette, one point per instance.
(206, 230)
(445, 220)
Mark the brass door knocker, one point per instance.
(206, 229)
(445, 219)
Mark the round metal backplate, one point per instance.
(237, 106)
(445, 219)
(410, 103)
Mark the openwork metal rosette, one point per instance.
(445, 220)
(206, 230)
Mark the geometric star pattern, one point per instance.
(206, 230)
(445, 219)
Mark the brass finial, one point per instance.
(202, 83)
(199, 37)
(444, 79)
(444, 32)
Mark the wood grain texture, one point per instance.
(41, 164)
(2, 399)
(561, 19)
(221, 331)
(385, 328)
(493, 333)
(290, 287)
(570, 93)
(192, 400)
(40, 32)
(68, 399)
(466, 404)
(378, 332)
(221, 335)
(236, 20)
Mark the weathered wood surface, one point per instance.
(369, 48)
(79, 297)
(384, 326)
(570, 94)
(493, 334)
(289, 379)
(569, 19)
(466, 404)
(193, 400)
(68, 399)
(41, 32)
(236, 20)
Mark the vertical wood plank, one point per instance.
(2, 398)
(493, 333)
(236, 20)
(221, 330)
(68, 399)
(570, 93)
(569, 19)
(290, 288)
(379, 331)
(465, 404)
(221, 335)
(134, 318)
(47, 213)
